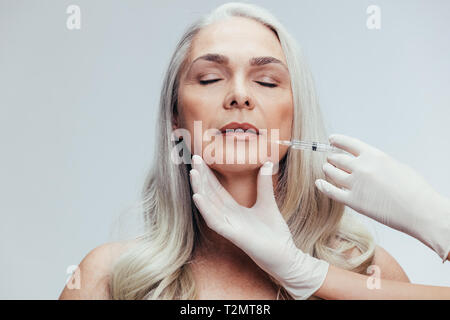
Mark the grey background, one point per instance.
(77, 114)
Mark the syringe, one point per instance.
(314, 146)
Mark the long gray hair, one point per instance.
(158, 265)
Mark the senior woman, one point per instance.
(235, 67)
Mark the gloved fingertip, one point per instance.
(196, 159)
(268, 164)
(266, 169)
(332, 137)
(322, 186)
(318, 184)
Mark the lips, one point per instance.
(236, 125)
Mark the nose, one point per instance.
(239, 97)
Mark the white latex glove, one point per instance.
(376, 185)
(261, 231)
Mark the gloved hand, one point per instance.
(261, 231)
(376, 185)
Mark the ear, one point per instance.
(175, 123)
(175, 120)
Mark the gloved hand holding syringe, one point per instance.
(376, 185)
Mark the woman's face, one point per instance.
(236, 72)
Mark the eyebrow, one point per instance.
(255, 61)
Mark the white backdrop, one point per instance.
(78, 107)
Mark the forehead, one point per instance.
(238, 38)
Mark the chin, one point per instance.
(235, 168)
(238, 157)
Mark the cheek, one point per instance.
(281, 115)
(196, 114)
(193, 106)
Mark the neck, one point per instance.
(240, 185)
(243, 188)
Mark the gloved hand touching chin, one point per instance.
(260, 231)
(376, 185)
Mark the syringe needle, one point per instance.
(313, 146)
(284, 142)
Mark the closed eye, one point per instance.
(265, 84)
(205, 82)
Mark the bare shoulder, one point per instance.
(389, 268)
(91, 279)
